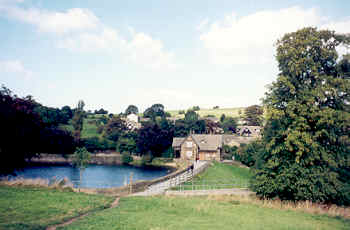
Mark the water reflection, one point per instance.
(95, 176)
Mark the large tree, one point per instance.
(77, 120)
(25, 134)
(156, 110)
(155, 137)
(253, 115)
(131, 109)
(306, 136)
(115, 128)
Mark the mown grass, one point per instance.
(89, 128)
(37, 208)
(218, 176)
(229, 112)
(175, 213)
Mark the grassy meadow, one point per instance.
(207, 212)
(36, 208)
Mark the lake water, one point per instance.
(94, 176)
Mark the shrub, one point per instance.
(127, 158)
(229, 151)
(250, 154)
(146, 159)
(169, 153)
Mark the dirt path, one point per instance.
(113, 205)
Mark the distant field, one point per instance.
(230, 112)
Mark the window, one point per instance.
(189, 144)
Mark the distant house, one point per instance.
(205, 146)
(133, 117)
(249, 131)
(132, 122)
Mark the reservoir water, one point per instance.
(94, 176)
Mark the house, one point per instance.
(133, 117)
(132, 122)
(198, 147)
(206, 146)
(249, 131)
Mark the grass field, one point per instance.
(230, 112)
(217, 176)
(224, 213)
(89, 128)
(36, 208)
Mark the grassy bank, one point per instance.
(201, 213)
(37, 208)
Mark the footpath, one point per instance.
(160, 188)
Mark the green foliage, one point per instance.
(25, 134)
(97, 144)
(195, 108)
(101, 111)
(131, 109)
(81, 158)
(127, 158)
(181, 111)
(250, 154)
(155, 137)
(306, 136)
(114, 129)
(156, 110)
(78, 119)
(229, 124)
(126, 145)
(229, 151)
(169, 153)
(253, 115)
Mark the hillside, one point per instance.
(231, 112)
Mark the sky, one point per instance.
(113, 53)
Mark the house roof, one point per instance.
(254, 130)
(208, 142)
(177, 141)
(235, 140)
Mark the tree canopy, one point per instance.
(253, 115)
(131, 109)
(156, 110)
(306, 140)
(25, 133)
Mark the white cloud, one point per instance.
(72, 20)
(82, 31)
(16, 67)
(141, 49)
(249, 39)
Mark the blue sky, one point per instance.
(179, 53)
